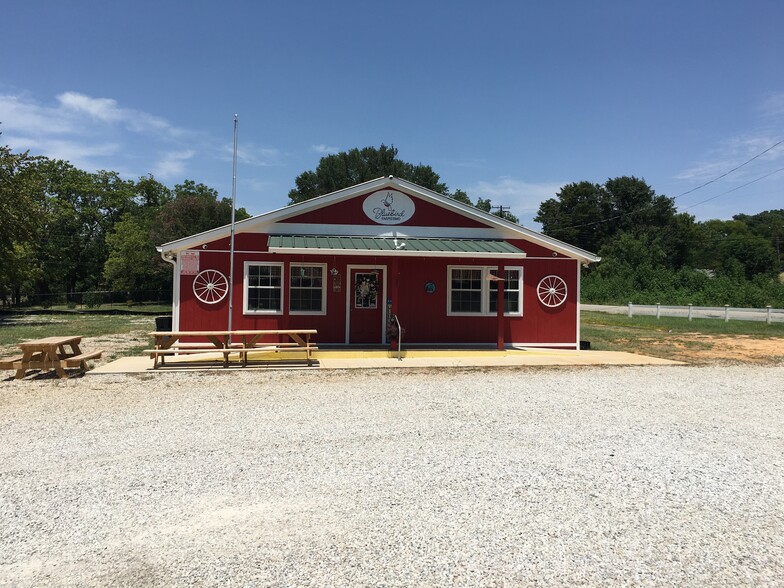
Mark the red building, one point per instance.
(346, 262)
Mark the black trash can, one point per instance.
(163, 323)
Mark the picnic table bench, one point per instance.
(228, 343)
(49, 354)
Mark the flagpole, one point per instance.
(231, 245)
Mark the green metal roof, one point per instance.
(396, 246)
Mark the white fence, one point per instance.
(727, 313)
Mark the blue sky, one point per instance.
(506, 100)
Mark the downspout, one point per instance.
(169, 257)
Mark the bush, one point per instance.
(645, 285)
(93, 299)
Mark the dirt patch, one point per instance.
(113, 346)
(700, 348)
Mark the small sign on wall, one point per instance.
(388, 207)
(189, 263)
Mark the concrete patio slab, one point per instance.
(374, 359)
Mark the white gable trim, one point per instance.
(265, 223)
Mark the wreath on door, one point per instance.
(366, 290)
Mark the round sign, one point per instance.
(388, 207)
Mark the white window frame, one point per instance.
(519, 269)
(323, 267)
(485, 291)
(246, 286)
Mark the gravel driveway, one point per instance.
(594, 476)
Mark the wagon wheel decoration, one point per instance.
(551, 291)
(210, 286)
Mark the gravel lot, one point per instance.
(595, 476)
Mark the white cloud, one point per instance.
(19, 115)
(97, 133)
(519, 195)
(324, 149)
(172, 165)
(250, 154)
(731, 154)
(104, 109)
(773, 105)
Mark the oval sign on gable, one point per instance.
(388, 207)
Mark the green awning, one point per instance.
(404, 246)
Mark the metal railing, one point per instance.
(399, 338)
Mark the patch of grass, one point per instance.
(652, 325)
(15, 328)
(668, 337)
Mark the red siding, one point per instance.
(423, 315)
(349, 212)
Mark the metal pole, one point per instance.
(231, 245)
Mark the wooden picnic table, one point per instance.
(49, 354)
(239, 342)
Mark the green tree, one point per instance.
(770, 225)
(194, 208)
(21, 190)
(730, 247)
(21, 216)
(348, 168)
(575, 215)
(133, 263)
(591, 216)
(81, 209)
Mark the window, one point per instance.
(512, 299)
(472, 291)
(263, 288)
(466, 290)
(307, 294)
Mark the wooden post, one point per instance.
(500, 306)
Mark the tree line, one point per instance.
(651, 253)
(66, 230)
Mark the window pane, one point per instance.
(306, 292)
(466, 301)
(466, 287)
(264, 286)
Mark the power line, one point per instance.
(725, 174)
(735, 188)
(667, 199)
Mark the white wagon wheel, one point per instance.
(551, 291)
(210, 286)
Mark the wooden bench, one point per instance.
(80, 360)
(241, 352)
(7, 363)
(39, 360)
(242, 342)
